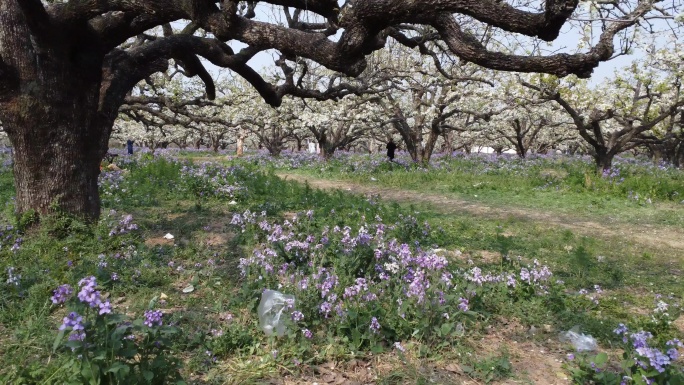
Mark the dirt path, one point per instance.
(653, 236)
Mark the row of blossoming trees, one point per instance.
(433, 105)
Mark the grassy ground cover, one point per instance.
(632, 192)
(384, 292)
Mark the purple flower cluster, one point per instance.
(153, 318)
(374, 325)
(74, 322)
(654, 356)
(613, 175)
(110, 184)
(297, 316)
(463, 304)
(88, 294)
(92, 297)
(415, 280)
(10, 235)
(124, 226)
(537, 276)
(61, 294)
(209, 179)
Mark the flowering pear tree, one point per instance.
(173, 110)
(423, 100)
(271, 128)
(666, 140)
(525, 124)
(336, 125)
(612, 117)
(66, 66)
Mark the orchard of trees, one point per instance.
(437, 75)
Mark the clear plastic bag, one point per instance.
(581, 342)
(271, 308)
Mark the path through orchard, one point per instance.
(647, 235)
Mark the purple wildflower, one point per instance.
(152, 318)
(73, 321)
(297, 316)
(105, 308)
(463, 304)
(88, 294)
(77, 336)
(375, 325)
(61, 294)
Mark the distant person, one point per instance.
(129, 146)
(391, 147)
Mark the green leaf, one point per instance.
(148, 375)
(356, 338)
(128, 353)
(153, 302)
(677, 379)
(115, 318)
(116, 366)
(58, 340)
(73, 344)
(446, 328)
(601, 359)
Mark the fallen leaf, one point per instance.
(453, 368)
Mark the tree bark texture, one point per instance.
(52, 120)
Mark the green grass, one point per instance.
(568, 187)
(163, 199)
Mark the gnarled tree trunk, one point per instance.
(53, 121)
(54, 163)
(603, 159)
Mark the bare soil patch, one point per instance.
(158, 241)
(653, 236)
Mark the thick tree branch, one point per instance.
(468, 48)
(363, 19)
(166, 102)
(181, 47)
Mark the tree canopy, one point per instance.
(122, 35)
